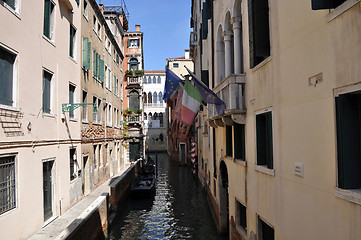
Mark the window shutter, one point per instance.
(137, 42)
(348, 141)
(128, 42)
(84, 50)
(101, 70)
(88, 54)
(97, 67)
(47, 6)
(94, 62)
(114, 84)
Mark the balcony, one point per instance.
(134, 80)
(232, 91)
(133, 119)
(154, 104)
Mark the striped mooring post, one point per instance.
(193, 156)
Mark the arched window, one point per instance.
(134, 100)
(149, 97)
(154, 80)
(144, 97)
(155, 116)
(150, 119)
(133, 64)
(159, 81)
(144, 79)
(161, 119)
(154, 97)
(160, 96)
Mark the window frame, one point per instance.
(265, 165)
(15, 185)
(239, 217)
(51, 93)
(14, 86)
(15, 10)
(175, 65)
(51, 23)
(260, 227)
(84, 115)
(72, 42)
(73, 164)
(85, 9)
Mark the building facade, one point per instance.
(40, 149)
(283, 161)
(133, 65)
(179, 134)
(101, 82)
(155, 119)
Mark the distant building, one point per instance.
(179, 134)
(155, 119)
(133, 65)
(283, 161)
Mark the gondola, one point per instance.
(144, 183)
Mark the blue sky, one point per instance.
(166, 28)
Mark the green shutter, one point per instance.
(88, 52)
(47, 10)
(101, 70)
(94, 63)
(84, 50)
(114, 84)
(97, 66)
(128, 44)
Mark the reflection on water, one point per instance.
(178, 210)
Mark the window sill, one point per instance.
(13, 11)
(49, 40)
(73, 119)
(11, 108)
(261, 64)
(73, 59)
(242, 232)
(48, 115)
(240, 162)
(352, 195)
(97, 123)
(265, 170)
(341, 9)
(86, 17)
(85, 121)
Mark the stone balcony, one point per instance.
(134, 81)
(232, 91)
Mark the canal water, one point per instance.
(178, 210)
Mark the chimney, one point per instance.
(137, 27)
(186, 54)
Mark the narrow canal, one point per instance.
(178, 210)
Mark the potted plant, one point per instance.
(128, 111)
(139, 111)
(139, 72)
(129, 72)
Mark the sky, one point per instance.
(165, 25)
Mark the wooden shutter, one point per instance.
(84, 50)
(87, 64)
(94, 63)
(115, 84)
(128, 42)
(47, 11)
(101, 77)
(348, 141)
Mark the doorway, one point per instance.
(182, 153)
(223, 198)
(48, 189)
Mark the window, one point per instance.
(154, 80)
(259, 36)
(98, 67)
(149, 97)
(73, 164)
(321, 4)
(161, 120)
(144, 79)
(229, 141)
(117, 58)
(97, 116)
(348, 125)
(175, 65)
(97, 27)
(158, 79)
(239, 142)
(72, 41)
(109, 114)
(7, 77)
(48, 30)
(86, 53)
(241, 216)
(116, 120)
(7, 184)
(154, 97)
(160, 96)
(13, 4)
(133, 64)
(47, 91)
(134, 100)
(108, 46)
(95, 149)
(115, 85)
(108, 78)
(264, 140)
(149, 79)
(265, 231)
(85, 9)
(84, 114)
(133, 43)
(71, 98)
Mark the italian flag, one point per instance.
(191, 101)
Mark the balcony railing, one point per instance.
(154, 104)
(134, 80)
(232, 91)
(131, 119)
